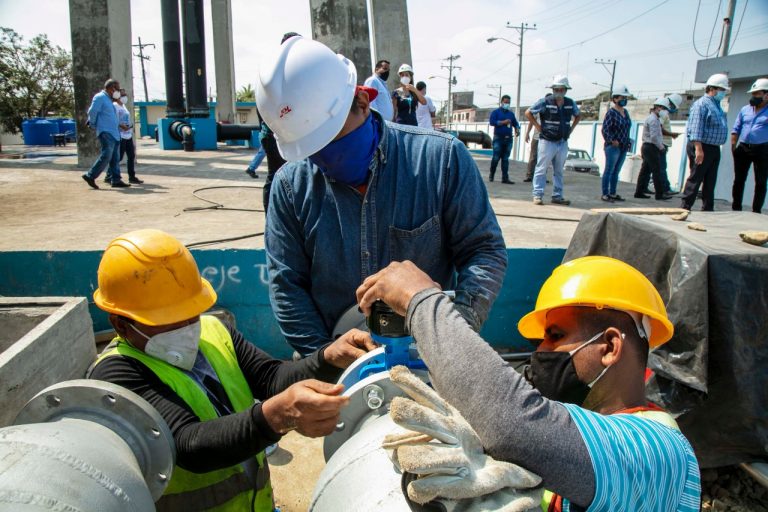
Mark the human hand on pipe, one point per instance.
(456, 466)
(396, 284)
(348, 347)
(310, 407)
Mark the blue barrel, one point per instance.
(39, 132)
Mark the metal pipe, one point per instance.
(85, 445)
(235, 131)
(758, 471)
(194, 57)
(169, 12)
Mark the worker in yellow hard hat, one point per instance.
(224, 400)
(580, 419)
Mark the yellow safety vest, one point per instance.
(227, 489)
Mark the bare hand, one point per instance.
(675, 135)
(310, 407)
(615, 143)
(348, 347)
(517, 133)
(527, 138)
(395, 285)
(699, 158)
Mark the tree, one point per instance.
(246, 93)
(35, 79)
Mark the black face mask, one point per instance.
(554, 376)
(756, 101)
(384, 75)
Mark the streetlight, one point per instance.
(521, 30)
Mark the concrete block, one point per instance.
(43, 341)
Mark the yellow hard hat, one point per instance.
(599, 282)
(149, 276)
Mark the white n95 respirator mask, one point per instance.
(177, 347)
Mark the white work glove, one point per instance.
(455, 467)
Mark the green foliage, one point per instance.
(246, 93)
(35, 79)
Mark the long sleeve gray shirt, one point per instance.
(514, 422)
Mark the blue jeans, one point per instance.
(554, 152)
(502, 147)
(614, 159)
(257, 158)
(110, 154)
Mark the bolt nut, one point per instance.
(374, 396)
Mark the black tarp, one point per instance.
(713, 374)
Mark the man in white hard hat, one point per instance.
(359, 192)
(749, 143)
(556, 111)
(652, 151)
(707, 130)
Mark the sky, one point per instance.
(652, 41)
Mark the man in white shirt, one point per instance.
(378, 80)
(425, 113)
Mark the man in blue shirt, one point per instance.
(378, 80)
(707, 130)
(555, 111)
(503, 120)
(579, 418)
(359, 192)
(103, 118)
(749, 143)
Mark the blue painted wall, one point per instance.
(240, 279)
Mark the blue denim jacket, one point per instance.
(426, 202)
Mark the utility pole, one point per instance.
(451, 80)
(142, 58)
(725, 42)
(520, 30)
(612, 72)
(496, 86)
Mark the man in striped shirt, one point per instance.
(580, 420)
(707, 130)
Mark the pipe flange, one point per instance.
(118, 409)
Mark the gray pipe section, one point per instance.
(194, 57)
(476, 137)
(85, 446)
(169, 11)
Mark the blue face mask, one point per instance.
(346, 160)
(719, 95)
(622, 103)
(505, 106)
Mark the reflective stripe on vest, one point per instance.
(551, 502)
(227, 489)
(556, 121)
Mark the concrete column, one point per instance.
(101, 48)
(224, 60)
(392, 37)
(342, 25)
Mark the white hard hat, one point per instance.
(662, 102)
(304, 93)
(621, 91)
(404, 68)
(761, 84)
(676, 100)
(560, 81)
(719, 80)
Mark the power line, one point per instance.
(712, 33)
(142, 58)
(603, 33)
(740, 20)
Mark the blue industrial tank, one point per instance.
(38, 131)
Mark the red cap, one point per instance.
(372, 93)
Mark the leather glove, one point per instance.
(445, 452)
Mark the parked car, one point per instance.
(579, 160)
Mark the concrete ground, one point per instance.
(45, 205)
